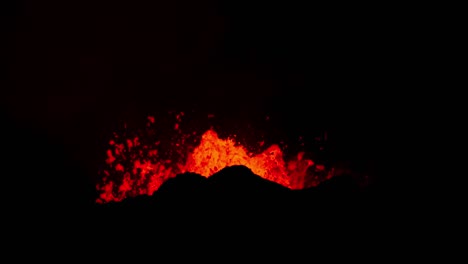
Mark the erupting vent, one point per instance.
(139, 164)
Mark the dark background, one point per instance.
(75, 69)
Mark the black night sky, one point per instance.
(75, 69)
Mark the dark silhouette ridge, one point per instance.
(237, 205)
(235, 187)
(234, 178)
(241, 183)
(236, 190)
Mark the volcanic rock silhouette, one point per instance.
(234, 204)
(234, 190)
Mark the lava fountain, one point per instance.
(136, 168)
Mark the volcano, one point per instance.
(163, 116)
(135, 168)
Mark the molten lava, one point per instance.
(135, 169)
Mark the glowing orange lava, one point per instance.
(142, 170)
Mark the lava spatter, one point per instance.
(135, 168)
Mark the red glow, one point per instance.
(143, 170)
